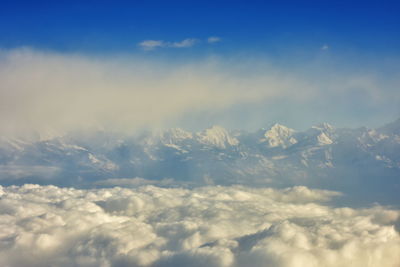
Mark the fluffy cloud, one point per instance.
(211, 226)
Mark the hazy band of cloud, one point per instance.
(41, 90)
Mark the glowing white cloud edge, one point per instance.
(210, 226)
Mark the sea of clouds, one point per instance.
(207, 226)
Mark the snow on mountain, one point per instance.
(279, 155)
(324, 127)
(176, 135)
(323, 139)
(279, 136)
(318, 135)
(218, 137)
(12, 144)
(171, 136)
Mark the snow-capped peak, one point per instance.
(323, 139)
(325, 127)
(323, 133)
(175, 135)
(171, 136)
(217, 136)
(279, 136)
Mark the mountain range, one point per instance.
(355, 161)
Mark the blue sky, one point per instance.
(258, 26)
(320, 43)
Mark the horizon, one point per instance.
(49, 134)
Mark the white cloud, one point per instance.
(65, 91)
(213, 39)
(211, 226)
(184, 43)
(60, 91)
(325, 47)
(151, 44)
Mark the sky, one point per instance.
(127, 65)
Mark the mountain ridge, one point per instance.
(322, 156)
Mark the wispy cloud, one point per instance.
(213, 39)
(153, 44)
(325, 47)
(184, 43)
(149, 45)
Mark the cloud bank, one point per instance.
(61, 91)
(211, 226)
(58, 91)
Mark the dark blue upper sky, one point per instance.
(272, 27)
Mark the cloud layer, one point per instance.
(212, 226)
(43, 90)
(58, 91)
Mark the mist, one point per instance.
(49, 91)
